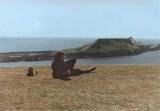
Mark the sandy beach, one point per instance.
(109, 88)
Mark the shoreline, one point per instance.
(145, 58)
(106, 47)
(26, 56)
(48, 55)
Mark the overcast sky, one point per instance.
(80, 18)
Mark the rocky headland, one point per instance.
(105, 47)
(109, 47)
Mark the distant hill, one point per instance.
(109, 47)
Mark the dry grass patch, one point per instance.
(109, 88)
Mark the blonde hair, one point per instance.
(59, 54)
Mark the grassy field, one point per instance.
(109, 88)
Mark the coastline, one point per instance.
(111, 47)
(48, 55)
(26, 56)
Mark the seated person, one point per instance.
(66, 68)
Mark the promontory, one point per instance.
(103, 47)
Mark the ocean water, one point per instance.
(40, 44)
(36, 44)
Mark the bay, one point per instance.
(43, 44)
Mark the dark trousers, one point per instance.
(70, 66)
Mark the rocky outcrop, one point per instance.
(108, 47)
(26, 56)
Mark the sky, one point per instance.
(80, 18)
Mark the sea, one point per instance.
(43, 44)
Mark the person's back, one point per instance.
(58, 66)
